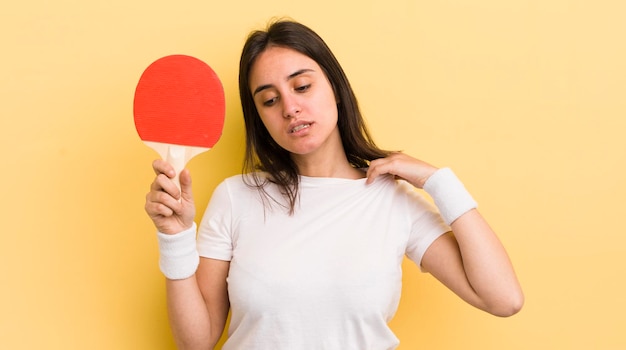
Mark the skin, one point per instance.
(291, 90)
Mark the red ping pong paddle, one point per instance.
(179, 108)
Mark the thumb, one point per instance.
(185, 185)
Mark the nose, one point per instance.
(291, 107)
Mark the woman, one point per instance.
(306, 247)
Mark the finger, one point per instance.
(161, 183)
(164, 198)
(159, 204)
(165, 184)
(162, 167)
(158, 210)
(375, 169)
(370, 176)
(185, 185)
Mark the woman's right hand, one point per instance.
(172, 210)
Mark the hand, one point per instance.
(402, 166)
(172, 210)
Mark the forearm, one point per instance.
(188, 315)
(196, 292)
(473, 262)
(197, 298)
(487, 265)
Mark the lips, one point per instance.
(299, 126)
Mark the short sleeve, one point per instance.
(426, 226)
(215, 231)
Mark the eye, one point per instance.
(303, 88)
(270, 102)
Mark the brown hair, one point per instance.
(262, 152)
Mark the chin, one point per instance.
(302, 148)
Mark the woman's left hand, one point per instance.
(402, 166)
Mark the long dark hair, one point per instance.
(262, 152)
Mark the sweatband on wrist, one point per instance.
(449, 194)
(178, 256)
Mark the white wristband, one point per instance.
(179, 257)
(449, 194)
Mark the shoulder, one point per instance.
(234, 192)
(406, 195)
(396, 186)
(244, 186)
(244, 181)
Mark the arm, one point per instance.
(473, 264)
(470, 260)
(198, 302)
(198, 306)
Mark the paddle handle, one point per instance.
(176, 158)
(177, 155)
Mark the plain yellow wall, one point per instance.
(526, 100)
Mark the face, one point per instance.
(295, 100)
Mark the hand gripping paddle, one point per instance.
(179, 109)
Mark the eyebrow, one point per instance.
(289, 77)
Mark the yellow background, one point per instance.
(525, 100)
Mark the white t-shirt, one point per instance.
(328, 276)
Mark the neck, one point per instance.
(327, 164)
(328, 170)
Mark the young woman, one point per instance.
(305, 248)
